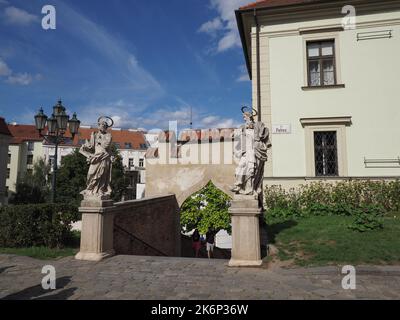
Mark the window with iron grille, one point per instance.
(325, 152)
(321, 63)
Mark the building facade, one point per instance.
(5, 139)
(27, 147)
(325, 81)
(24, 150)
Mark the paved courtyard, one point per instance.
(138, 277)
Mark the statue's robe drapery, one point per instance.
(245, 169)
(261, 145)
(252, 149)
(99, 174)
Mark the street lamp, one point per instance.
(56, 127)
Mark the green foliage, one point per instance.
(367, 218)
(71, 178)
(37, 225)
(348, 198)
(26, 193)
(33, 187)
(42, 253)
(206, 208)
(119, 182)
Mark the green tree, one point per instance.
(71, 178)
(119, 182)
(33, 187)
(206, 208)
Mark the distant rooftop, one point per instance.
(124, 138)
(3, 127)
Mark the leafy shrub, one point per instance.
(367, 218)
(37, 225)
(349, 198)
(207, 208)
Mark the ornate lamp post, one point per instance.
(56, 127)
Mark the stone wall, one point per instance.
(149, 226)
(195, 165)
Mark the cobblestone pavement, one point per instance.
(137, 277)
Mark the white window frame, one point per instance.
(322, 36)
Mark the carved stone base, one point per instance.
(246, 249)
(97, 229)
(244, 263)
(96, 201)
(88, 256)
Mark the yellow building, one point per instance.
(25, 149)
(325, 79)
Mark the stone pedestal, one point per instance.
(246, 249)
(97, 229)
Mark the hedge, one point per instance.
(37, 225)
(365, 200)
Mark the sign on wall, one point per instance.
(281, 128)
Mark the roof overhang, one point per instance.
(308, 10)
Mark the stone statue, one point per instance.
(252, 151)
(98, 154)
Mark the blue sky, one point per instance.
(141, 62)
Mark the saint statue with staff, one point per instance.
(97, 151)
(252, 153)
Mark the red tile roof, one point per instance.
(135, 138)
(3, 127)
(274, 3)
(23, 132)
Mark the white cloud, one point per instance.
(19, 17)
(17, 78)
(227, 31)
(244, 76)
(209, 120)
(218, 122)
(4, 69)
(211, 26)
(20, 78)
(133, 61)
(128, 115)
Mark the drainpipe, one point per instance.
(258, 64)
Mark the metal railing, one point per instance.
(132, 236)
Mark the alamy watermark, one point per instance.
(49, 21)
(349, 280)
(49, 280)
(349, 21)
